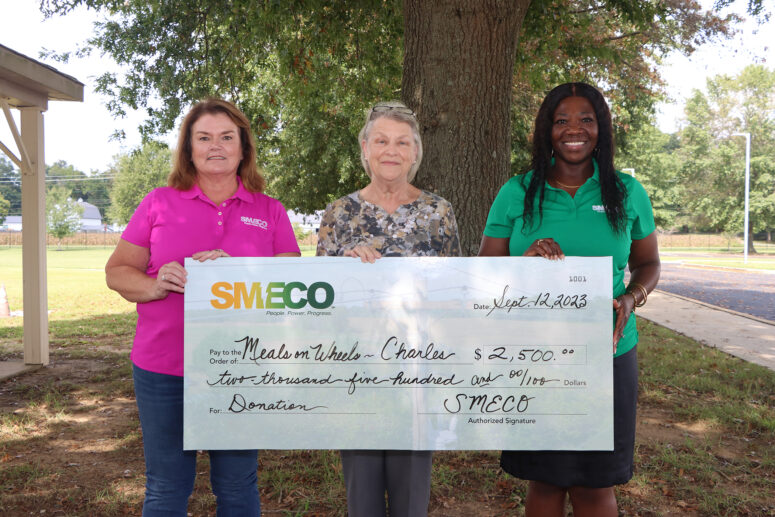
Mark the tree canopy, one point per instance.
(652, 157)
(136, 174)
(11, 186)
(695, 177)
(713, 157)
(5, 207)
(63, 213)
(304, 72)
(92, 188)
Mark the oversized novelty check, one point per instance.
(406, 353)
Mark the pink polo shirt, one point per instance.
(175, 224)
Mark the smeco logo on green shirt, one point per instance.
(277, 295)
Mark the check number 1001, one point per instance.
(531, 355)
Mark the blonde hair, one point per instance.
(183, 175)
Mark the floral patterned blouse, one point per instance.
(425, 227)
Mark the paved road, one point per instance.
(748, 292)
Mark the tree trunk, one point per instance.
(751, 249)
(458, 65)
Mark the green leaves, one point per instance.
(63, 213)
(304, 71)
(136, 174)
(5, 207)
(696, 178)
(11, 186)
(714, 166)
(651, 154)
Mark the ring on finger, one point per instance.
(539, 241)
(163, 278)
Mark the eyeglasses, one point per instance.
(383, 108)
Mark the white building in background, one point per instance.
(308, 223)
(91, 220)
(12, 223)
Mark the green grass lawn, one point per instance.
(76, 283)
(709, 257)
(70, 442)
(736, 263)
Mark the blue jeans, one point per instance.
(170, 471)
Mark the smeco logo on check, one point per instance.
(276, 295)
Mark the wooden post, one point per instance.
(34, 238)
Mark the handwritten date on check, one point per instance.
(407, 353)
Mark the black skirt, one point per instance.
(592, 469)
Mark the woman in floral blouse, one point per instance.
(392, 218)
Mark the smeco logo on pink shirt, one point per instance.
(254, 221)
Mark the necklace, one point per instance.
(564, 185)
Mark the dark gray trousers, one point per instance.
(404, 475)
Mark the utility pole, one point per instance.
(747, 183)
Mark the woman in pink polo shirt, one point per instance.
(213, 207)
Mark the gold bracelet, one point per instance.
(645, 295)
(643, 291)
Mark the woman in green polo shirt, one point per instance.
(573, 202)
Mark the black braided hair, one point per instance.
(612, 188)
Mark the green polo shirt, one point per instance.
(578, 224)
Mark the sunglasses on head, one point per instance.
(382, 108)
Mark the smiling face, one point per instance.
(390, 150)
(574, 130)
(216, 149)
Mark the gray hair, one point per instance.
(398, 111)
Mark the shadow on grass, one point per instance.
(69, 434)
(104, 328)
(70, 441)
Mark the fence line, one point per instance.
(106, 239)
(110, 239)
